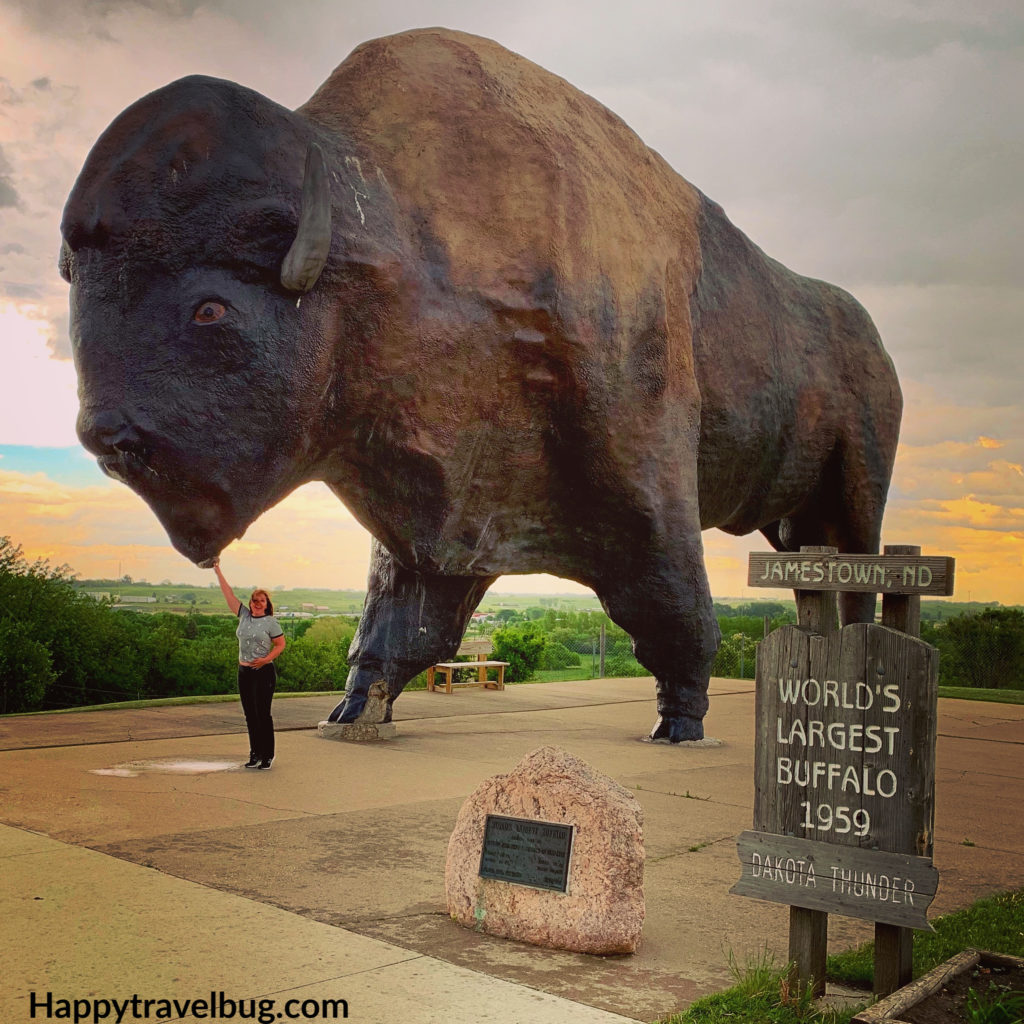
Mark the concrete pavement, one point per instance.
(138, 858)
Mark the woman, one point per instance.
(260, 641)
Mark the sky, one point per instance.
(876, 144)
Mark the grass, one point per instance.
(995, 924)
(996, 1006)
(159, 702)
(419, 683)
(562, 675)
(977, 693)
(762, 994)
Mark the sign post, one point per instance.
(845, 766)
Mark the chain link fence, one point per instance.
(603, 654)
(982, 651)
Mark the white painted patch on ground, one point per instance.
(166, 765)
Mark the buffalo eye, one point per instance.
(208, 312)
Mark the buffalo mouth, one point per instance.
(126, 467)
(201, 528)
(199, 516)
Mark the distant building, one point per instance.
(133, 599)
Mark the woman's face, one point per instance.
(258, 604)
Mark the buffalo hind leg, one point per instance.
(853, 526)
(410, 621)
(666, 608)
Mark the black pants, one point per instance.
(256, 688)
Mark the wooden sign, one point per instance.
(889, 887)
(885, 574)
(527, 852)
(847, 738)
(845, 764)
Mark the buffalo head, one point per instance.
(193, 242)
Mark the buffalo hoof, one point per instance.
(349, 709)
(677, 728)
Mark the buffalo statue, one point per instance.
(504, 332)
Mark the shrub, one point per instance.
(736, 657)
(557, 655)
(522, 646)
(621, 665)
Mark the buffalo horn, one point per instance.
(308, 254)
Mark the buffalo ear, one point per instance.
(308, 254)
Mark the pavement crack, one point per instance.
(960, 844)
(692, 848)
(980, 739)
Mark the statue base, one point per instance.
(706, 742)
(357, 732)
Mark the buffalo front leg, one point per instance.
(410, 621)
(665, 606)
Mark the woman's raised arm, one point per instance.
(229, 595)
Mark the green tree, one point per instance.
(736, 657)
(556, 655)
(759, 609)
(318, 660)
(34, 599)
(88, 652)
(522, 647)
(203, 666)
(984, 649)
(25, 669)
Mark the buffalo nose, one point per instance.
(107, 432)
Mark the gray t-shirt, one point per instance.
(255, 634)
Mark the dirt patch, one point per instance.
(989, 984)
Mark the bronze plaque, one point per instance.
(527, 852)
